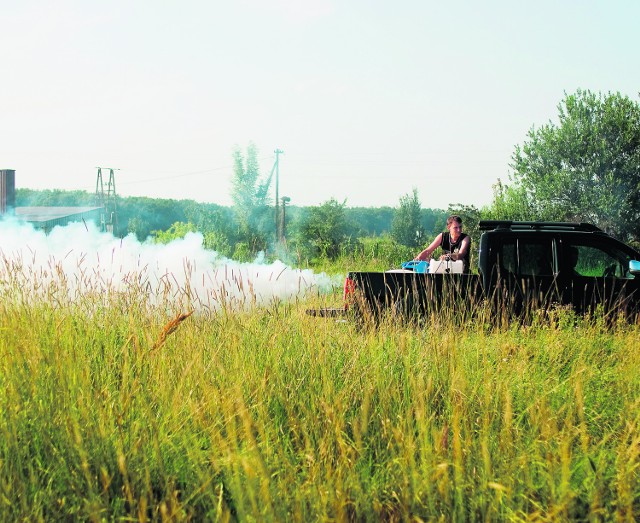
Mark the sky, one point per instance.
(367, 99)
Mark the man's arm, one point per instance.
(426, 254)
(464, 249)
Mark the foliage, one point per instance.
(137, 226)
(53, 198)
(406, 227)
(324, 230)
(587, 167)
(215, 240)
(146, 217)
(433, 221)
(212, 239)
(177, 231)
(368, 253)
(383, 252)
(369, 221)
(511, 202)
(242, 252)
(141, 215)
(210, 217)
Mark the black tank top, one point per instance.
(449, 247)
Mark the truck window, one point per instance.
(536, 259)
(600, 261)
(508, 258)
(521, 257)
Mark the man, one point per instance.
(455, 244)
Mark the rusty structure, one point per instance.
(7, 191)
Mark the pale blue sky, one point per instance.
(368, 99)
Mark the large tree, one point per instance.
(586, 167)
(325, 229)
(406, 226)
(250, 199)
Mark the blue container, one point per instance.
(416, 266)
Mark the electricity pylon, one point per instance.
(109, 212)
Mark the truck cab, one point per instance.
(544, 263)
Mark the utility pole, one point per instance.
(109, 212)
(276, 166)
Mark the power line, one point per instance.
(185, 175)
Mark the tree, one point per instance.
(369, 221)
(139, 227)
(142, 215)
(586, 168)
(406, 226)
(325, 229)
(212, 240)
(250, 200)
(434, 221)
(511, 202)
(53, 198)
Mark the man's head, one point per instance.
(454, 225)
(454, 218)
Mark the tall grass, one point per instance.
(366, 254)
(111, 408)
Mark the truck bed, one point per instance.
(375, 292)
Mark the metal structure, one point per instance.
(491, 225)
(109, 213)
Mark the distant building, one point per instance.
(44, 218)
(47, 218)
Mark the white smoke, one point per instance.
(78, 260)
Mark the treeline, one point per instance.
(326, 230)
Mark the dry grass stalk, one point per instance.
(170, 328)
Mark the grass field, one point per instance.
(119, 409)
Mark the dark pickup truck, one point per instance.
(521, 266)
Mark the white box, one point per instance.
(446, 267)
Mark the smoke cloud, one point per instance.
(77, 261)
